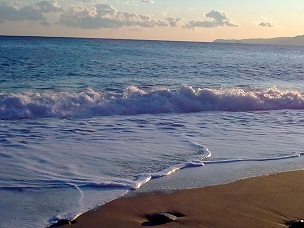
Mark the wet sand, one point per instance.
(268, 201)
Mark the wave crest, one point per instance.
(133, 101)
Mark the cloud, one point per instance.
(105, 16)
(33, 12)
(87, 1)
(266, 24)
(45, 23)
(147, 1)
(49, 7)
(174, 22)
(216, 18)
(13, 13)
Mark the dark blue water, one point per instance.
(39, 64)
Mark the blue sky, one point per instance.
(194, 20)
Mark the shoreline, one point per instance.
(267, 201)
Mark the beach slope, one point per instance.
(268, 201)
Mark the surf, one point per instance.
(136, 101)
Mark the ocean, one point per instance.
(85, 121)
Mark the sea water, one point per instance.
(84, 121)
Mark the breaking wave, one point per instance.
(133, 101)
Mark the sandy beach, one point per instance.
(268, 201)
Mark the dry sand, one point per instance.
(268, 201)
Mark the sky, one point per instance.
(184, 20)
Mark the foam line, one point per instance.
(134, 101)
(254, 159)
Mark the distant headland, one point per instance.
(292, 41)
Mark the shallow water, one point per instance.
(95, 119)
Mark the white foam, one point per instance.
(255, 159)
(134, 101)
(195, 161)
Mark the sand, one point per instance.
(268, 201)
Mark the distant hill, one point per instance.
(293, 41)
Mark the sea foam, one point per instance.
(133, 101)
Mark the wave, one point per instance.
(112, 183)
(295, 155)
(133, 101)
(195, 161)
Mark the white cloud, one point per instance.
(49, 7)
(105, 16)
(32, 12)
(13, 13)
(215, 19)
(45, 23)
(266, 24)
(102, 16)
(147, 1)
(87, 1)
(174, 22)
